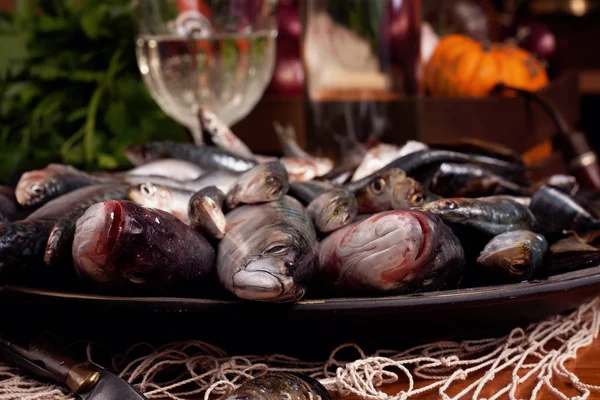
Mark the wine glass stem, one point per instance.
(195, 131)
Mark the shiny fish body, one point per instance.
(574, 252)
(222, 179)
(381, 155)
(480, 147)
(376, 158)
(280, 385)
(399, 251)
(306, 192)
(207, 157)
(566, 183)
(172, 200)
(332, 210)
(269, 252)
(205, 212)
(557, 211)
(351, 153)
(22, 243)
(468, 180)
(38, 187)
(416, 163)
(10, 210)
(120, 244)
(513, 256)
(300, 169)
(292, 150)
(168, 168)
(60, 240)
(263, 183)
(219, 134)
(489, 216)
(287, 140)
(85, 196)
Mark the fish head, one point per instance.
(36, 187)
(449, 209)
(333, 210)
(150, 195)
(277, 273)
(376, 195)
(388, 249)
(205, 210)
(408, 193)
(272, 180)
(140, 153)
(97, 239)
(513, 261)
(263, 183)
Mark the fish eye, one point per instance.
(378, 185)
(276, 249)
(37, 189)
(450, 205)
(417, 199)
(338, 209)
(270, 180)
(148, 189)
(138, 277)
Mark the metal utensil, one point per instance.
(88, 381)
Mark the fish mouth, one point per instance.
(275, 191)
(96, 236)
(30, 191)
(262, 280)
(388, 248)
(114, 224)
(401, 194)
(215, 214)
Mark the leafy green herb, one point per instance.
(70, 88)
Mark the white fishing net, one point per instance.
(194, 369)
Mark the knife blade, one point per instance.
(88, 381)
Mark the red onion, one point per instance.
(536, 38)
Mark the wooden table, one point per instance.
(586, 367)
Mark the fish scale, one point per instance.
(208, 157)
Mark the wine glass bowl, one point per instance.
(217, 54)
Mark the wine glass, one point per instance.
(215, 54)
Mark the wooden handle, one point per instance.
(43, 360)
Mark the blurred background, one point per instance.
(72, 91)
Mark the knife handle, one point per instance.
(47, 362)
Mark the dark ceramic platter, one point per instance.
(373, 320)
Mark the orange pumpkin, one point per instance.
(461, 66)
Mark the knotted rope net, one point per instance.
(194, 369)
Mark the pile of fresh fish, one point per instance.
(218, 220)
